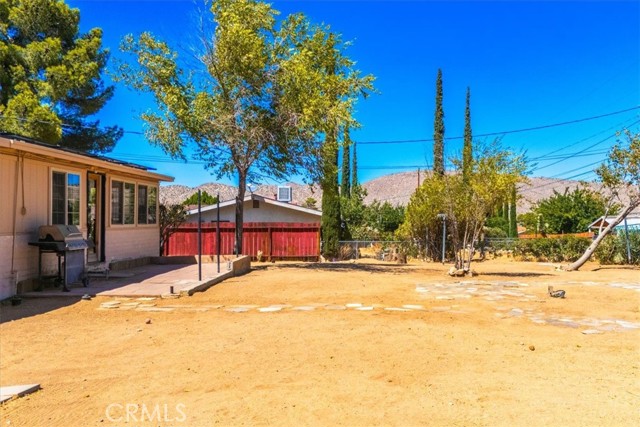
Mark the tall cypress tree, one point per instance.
(438, 129)
(513, 223)
(467, 150)
(331, 218)
(345, 187)
(354, 170)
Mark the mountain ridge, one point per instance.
(394, 188)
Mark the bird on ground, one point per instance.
(556, 294)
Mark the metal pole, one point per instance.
(626, 235)
(218, 230)
(444, 236)
(199, 237)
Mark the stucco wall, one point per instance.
(27, 202)
(132, 242)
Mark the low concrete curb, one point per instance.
(237, 267)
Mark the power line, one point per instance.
(405, 141)
(506, 132)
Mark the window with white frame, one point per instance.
(147, 202)
(65, 198)
(123, 197)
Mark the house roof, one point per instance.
(633, 220)
(44, 150)
(269, 201)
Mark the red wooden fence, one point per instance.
(276, 240)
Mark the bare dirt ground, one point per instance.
(492, 350)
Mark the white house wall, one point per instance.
(32, 208)
(265, 213)
(29, 215)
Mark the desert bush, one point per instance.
(567, 248)
(613, 249)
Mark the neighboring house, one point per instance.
(257, 209)
(272, 229)
(113, 203)
(632, 223)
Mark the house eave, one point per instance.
(14, 144)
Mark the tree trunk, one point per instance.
(242, 189)
(591, 249)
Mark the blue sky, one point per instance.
(528, 64)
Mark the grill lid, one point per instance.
(59, 233)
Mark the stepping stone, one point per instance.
(396, 309)
(628, 325)
(237, 309)
(247, 306)
(335, 307)
(110, 304)
(281, 305)
(353, 305)
(444, 308)
(591, 331)
(413, 306)
(146, 305)
(146, 298)
(444, 297)
(130, 304)
(366, 308)
(269, 309)
(8, 392)
(304, 308)
(156, 309)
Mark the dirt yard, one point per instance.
(353, 344)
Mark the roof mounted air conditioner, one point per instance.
(284, 194)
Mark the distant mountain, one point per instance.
(395, 188)
(175, 194)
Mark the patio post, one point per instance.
(218, 231)
(199, 236)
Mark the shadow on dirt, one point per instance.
(347, 267)
(32, 307)
(515, 274)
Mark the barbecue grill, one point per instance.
(66, 242)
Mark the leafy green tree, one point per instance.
(570, 211)
(620, 174)
(170, 218)
(466, 204)
(383, 219)
(467, 150)
(206, 199)
(438, 129)
(51, 76)
(259, 101)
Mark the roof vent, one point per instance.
(284, 194)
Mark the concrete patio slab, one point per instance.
(9, 392)
(153, 280)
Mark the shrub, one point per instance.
(613, 249)
(562, 249)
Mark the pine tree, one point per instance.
(51, 76)
(345, 187)
(467, 150)
(438, 129)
